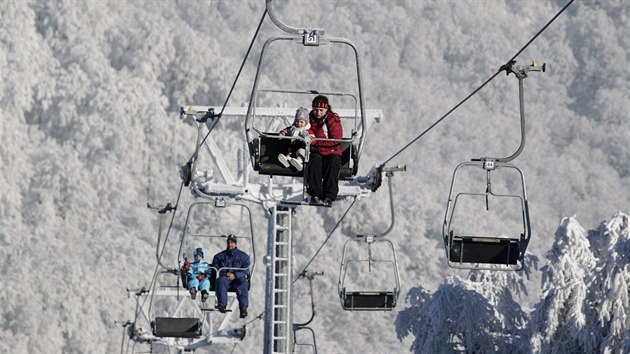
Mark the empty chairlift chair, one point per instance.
(369, 299)
(500, 252)
(486, 251)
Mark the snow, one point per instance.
(90, 133)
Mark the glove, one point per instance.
(201, 276)
(186, 265)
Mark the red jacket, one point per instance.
(330, 123)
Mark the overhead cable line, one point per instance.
(502, 68)
(168, 207)
(218, 116)
(159, 253)
(210, 130)
(326, 240)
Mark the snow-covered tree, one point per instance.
(478, 314)
(89, 132)
(585, 305)
(609, 288)
(559, 320)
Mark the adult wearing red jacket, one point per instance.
(325, 159)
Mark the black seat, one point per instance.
(267, 148)
(369, 300)
(490, 250)
(177, 327)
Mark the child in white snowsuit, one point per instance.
(301, 127)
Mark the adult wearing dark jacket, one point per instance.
(232, 265)
(325, 159)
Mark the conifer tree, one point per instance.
(609, 287)
(561, 315)
(478, 314)
(584, 307)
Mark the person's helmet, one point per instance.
(232, 238)
(199, 250)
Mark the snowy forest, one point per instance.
(90, 128)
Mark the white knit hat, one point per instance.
(301, 114)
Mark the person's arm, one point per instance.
(202, 268)
(335, 131)
(187, 268)
(306, 135)
(194, 269)
(244, 260)
(285, 131)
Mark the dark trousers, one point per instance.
(323, 175)
(241, 290)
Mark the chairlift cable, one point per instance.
(209, 131)
(233, 348)
(326, 240)
(502, 68)
(441, 119)
(251, 44)
(170, 227)
(541, 30)
(218, 116)
(159, 254)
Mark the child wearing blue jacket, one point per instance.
(197, 272)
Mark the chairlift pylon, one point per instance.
(497, 252)
(279, 199)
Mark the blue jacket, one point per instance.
(231, 259)
(199, 267)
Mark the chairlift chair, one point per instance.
(297, 327)
(187, 234)
(176, 320)
(501, 252)
(265, 146)
(368, 299)
(498, 252)
(372, 299)
(177, 327)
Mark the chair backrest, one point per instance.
(268, 147)
(486, 250)
(369, 301)
(177, 327)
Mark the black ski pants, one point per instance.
(323, 175)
